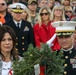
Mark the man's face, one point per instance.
(32, 6)
(43, 3)
(17, 16)
(3, 6)
(50, 4)
(65, 42)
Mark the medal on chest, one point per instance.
(73, 62)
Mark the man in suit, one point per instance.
(23, 29)
(64, 32)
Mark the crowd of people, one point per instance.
(25, 22)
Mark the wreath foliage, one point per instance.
(43, 56)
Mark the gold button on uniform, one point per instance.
(16, 49)
(66, 57)
(22, 37)
(65, 72)
(16, 37)
(16, 43)
(22, 43)
(65, 65)
(23, 48)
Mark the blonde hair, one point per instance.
(62, 2)
(68, 8)
(28, 17)
(39, 17)
(63, 15)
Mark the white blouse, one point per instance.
(6, 67)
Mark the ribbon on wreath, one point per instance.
(10, 72)
(42, 70)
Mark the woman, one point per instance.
(43, 30)
(58, 14)
(68, 13)
(25, 15)
(7, 50)
(66, 2)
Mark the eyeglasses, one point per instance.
(68, 11)
(2, 4)
(44, 14)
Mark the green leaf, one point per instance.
(43, 56)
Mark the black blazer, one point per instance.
(24, 35)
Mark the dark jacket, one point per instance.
(70, 62)
(8, 16)
(24, 35)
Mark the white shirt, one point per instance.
(6, 67)
(18, 22)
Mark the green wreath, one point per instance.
(43, 56)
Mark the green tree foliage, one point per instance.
(52, 61)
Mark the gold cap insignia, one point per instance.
(60, 24)
(18, 7)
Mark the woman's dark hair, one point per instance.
(6, 29)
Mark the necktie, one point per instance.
(18, 25)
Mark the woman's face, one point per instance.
(66, 2)
(44, 15)
(6, 43)
(68, 13)
(57, 12)
(24, 15)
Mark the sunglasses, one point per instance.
(44, 14)
(68, 11)
(2, 4)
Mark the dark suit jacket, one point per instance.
(24, 35)
(70, 62)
